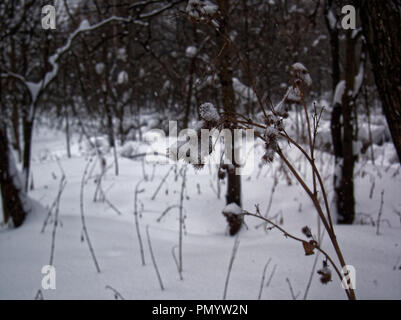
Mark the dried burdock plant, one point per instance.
(270, 128)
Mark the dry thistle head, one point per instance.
(274, 125)
(194, 150)
(325, 273)
(302, 82)
(307, 232)
(209, 115)
(301, 74)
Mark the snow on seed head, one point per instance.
(209, 113)
(301, 73)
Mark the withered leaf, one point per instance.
(309, 247)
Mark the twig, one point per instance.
(136, 213)
(145, 176)
(181, 220)
(50, 212)
(311, 276)
(271, 276)
(286, 234)
(117, 295)
(380, 213)
(166, 211)
(176, 260)
(230, 265)
(39, 295)
(294, 297)
(262, 282)
(154, 260)
(63, 183)
(162, 182)
(84, 229)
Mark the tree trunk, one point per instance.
(226, 79)
(12, 204)
(26, 161)
(67, 134)
(345, 189)
(15, 111)
(382, 28)
(335, 124)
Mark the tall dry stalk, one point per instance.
(181, 220)
(136, 215)
(85, 233)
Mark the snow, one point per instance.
(191, 51)
(359, 79)
(97, 145)
(302, 72)
(84, 25)
(122, 54)
(206, 245)
(201, 8)
(232, 208)
(293, 95)
(242, 91)
(338, 95)
(318, 39)
(332, 20)
(99, 68)
(122, 77)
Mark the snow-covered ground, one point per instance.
(206, 246)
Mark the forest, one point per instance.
(200, 149)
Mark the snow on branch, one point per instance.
(35, 88)
(160, 10)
